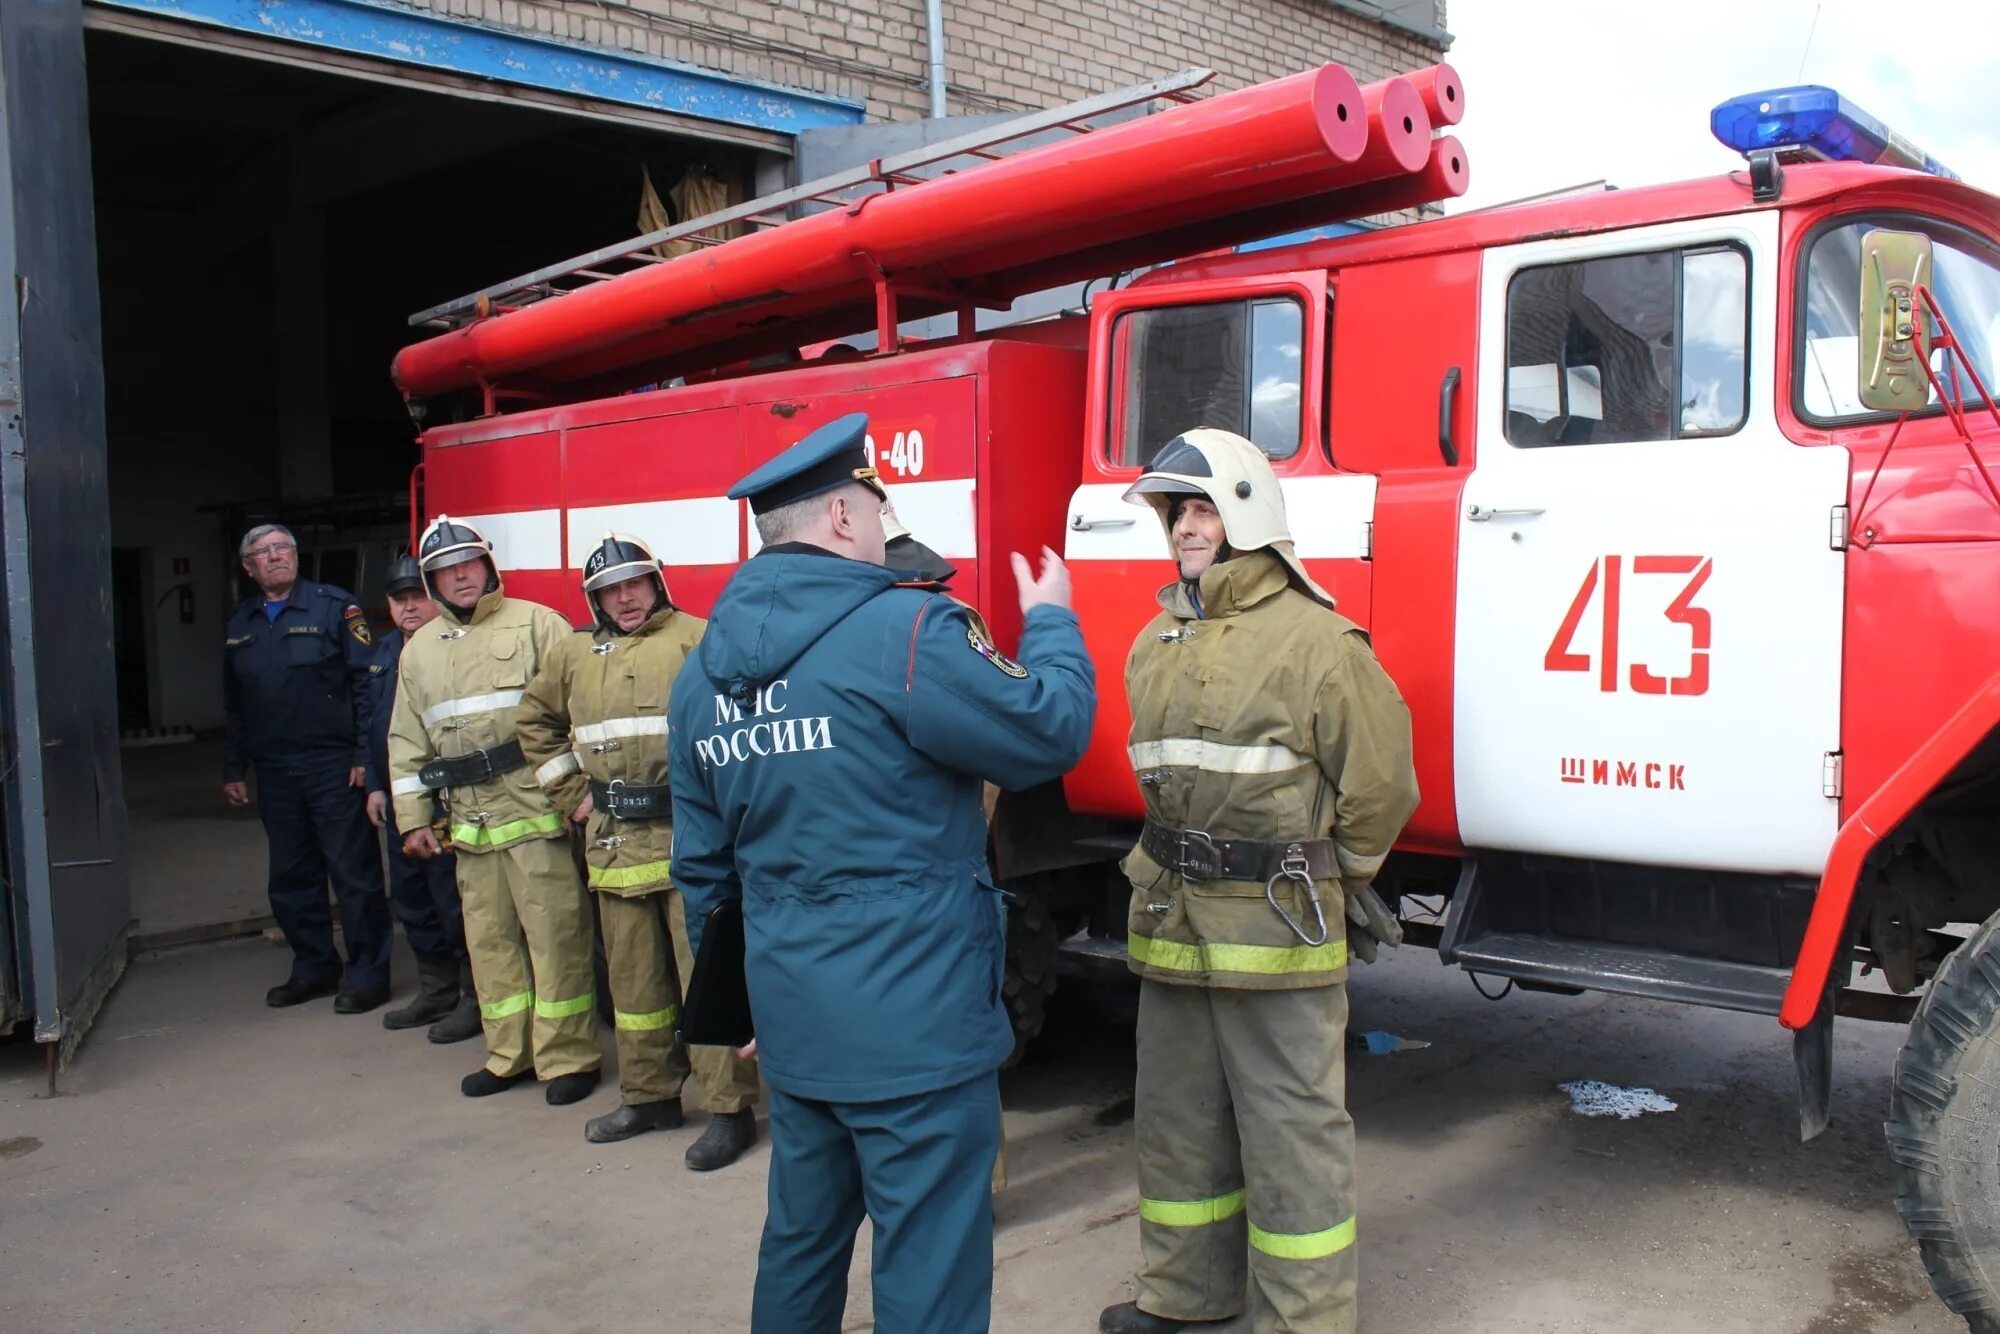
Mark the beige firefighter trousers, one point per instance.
(646, 998)
(1246, 1157)
(527, 930)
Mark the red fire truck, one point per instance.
(1666, 508)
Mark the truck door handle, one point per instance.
(1481, 513)
(1079, 524)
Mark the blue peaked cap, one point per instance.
(834, 455)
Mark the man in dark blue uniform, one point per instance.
(828, 740)
(423, 894)
(295, 679)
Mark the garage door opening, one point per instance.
(263, 230)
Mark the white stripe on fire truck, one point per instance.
(1215, 757)
(700, 531)
(522, 539)
(940, 515)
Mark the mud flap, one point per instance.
(1812, 1054)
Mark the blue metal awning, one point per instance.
(455, 46)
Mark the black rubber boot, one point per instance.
(463, 1022)
(566, 1089)
(1127, 1318)
(360, 1000)
(483, 1083)
(728, 1137)
(634, 1119)
(437, 996)
(296, 992)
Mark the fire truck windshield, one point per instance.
(1231, 364)
(1967, 288)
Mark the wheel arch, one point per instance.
(1877, 818)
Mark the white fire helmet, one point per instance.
(448, 542)
(1233, 475)
(892, 527)
(619, 557)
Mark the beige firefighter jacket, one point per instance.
(598, 710)
(1267, 717)
(456, 692)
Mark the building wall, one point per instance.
(1001, 55)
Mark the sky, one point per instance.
(1563, 92)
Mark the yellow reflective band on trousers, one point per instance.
(644, 1023)
(1191, 1213)
(624, 877)
(1301, 1245)
(563, 1009)
(514, 1004)
(473, 836)
(1213, 957)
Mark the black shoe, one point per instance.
(631, 1119)
(360, 1000)
(566, 1089)
(483, 1083)
(1127, 1318)
(728, 1137)
(463, 1022)
(437, 996)
(296, 992)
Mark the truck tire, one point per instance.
(1944, 1107)
(1033, 943)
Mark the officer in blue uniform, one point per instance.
(295, 685)
(423, 894)
(829, 739)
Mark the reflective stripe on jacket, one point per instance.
(457, 688)
(1261, 716)
(598, 710)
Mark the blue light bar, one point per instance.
(1819, 122)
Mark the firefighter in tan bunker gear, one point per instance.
(527, 918)
(1274, 756)
(594, 725)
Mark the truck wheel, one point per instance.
(1944, 1130)
(1032, 945)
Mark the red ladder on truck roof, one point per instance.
(840, 188)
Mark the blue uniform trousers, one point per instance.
(318, 831)
(425, 898)
(920, 1167)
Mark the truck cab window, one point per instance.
(1628, 347)
(1230, 364)
(1966, 286)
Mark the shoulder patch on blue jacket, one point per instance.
(982, 644)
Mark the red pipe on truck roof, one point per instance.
(978, 235)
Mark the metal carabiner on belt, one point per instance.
(1295, 867)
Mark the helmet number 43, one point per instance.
(905, 457)
(1603, 585)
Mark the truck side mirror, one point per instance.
(1893, 264)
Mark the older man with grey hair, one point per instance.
(296, 668)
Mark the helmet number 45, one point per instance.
(1607, 575)
(905, 457)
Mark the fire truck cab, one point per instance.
(1699, 641)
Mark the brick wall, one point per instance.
(1002, 55)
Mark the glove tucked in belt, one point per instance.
(1198, 857)
(477, 766)
(632, 801)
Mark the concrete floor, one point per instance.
(197, 862)
(215, 1165)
